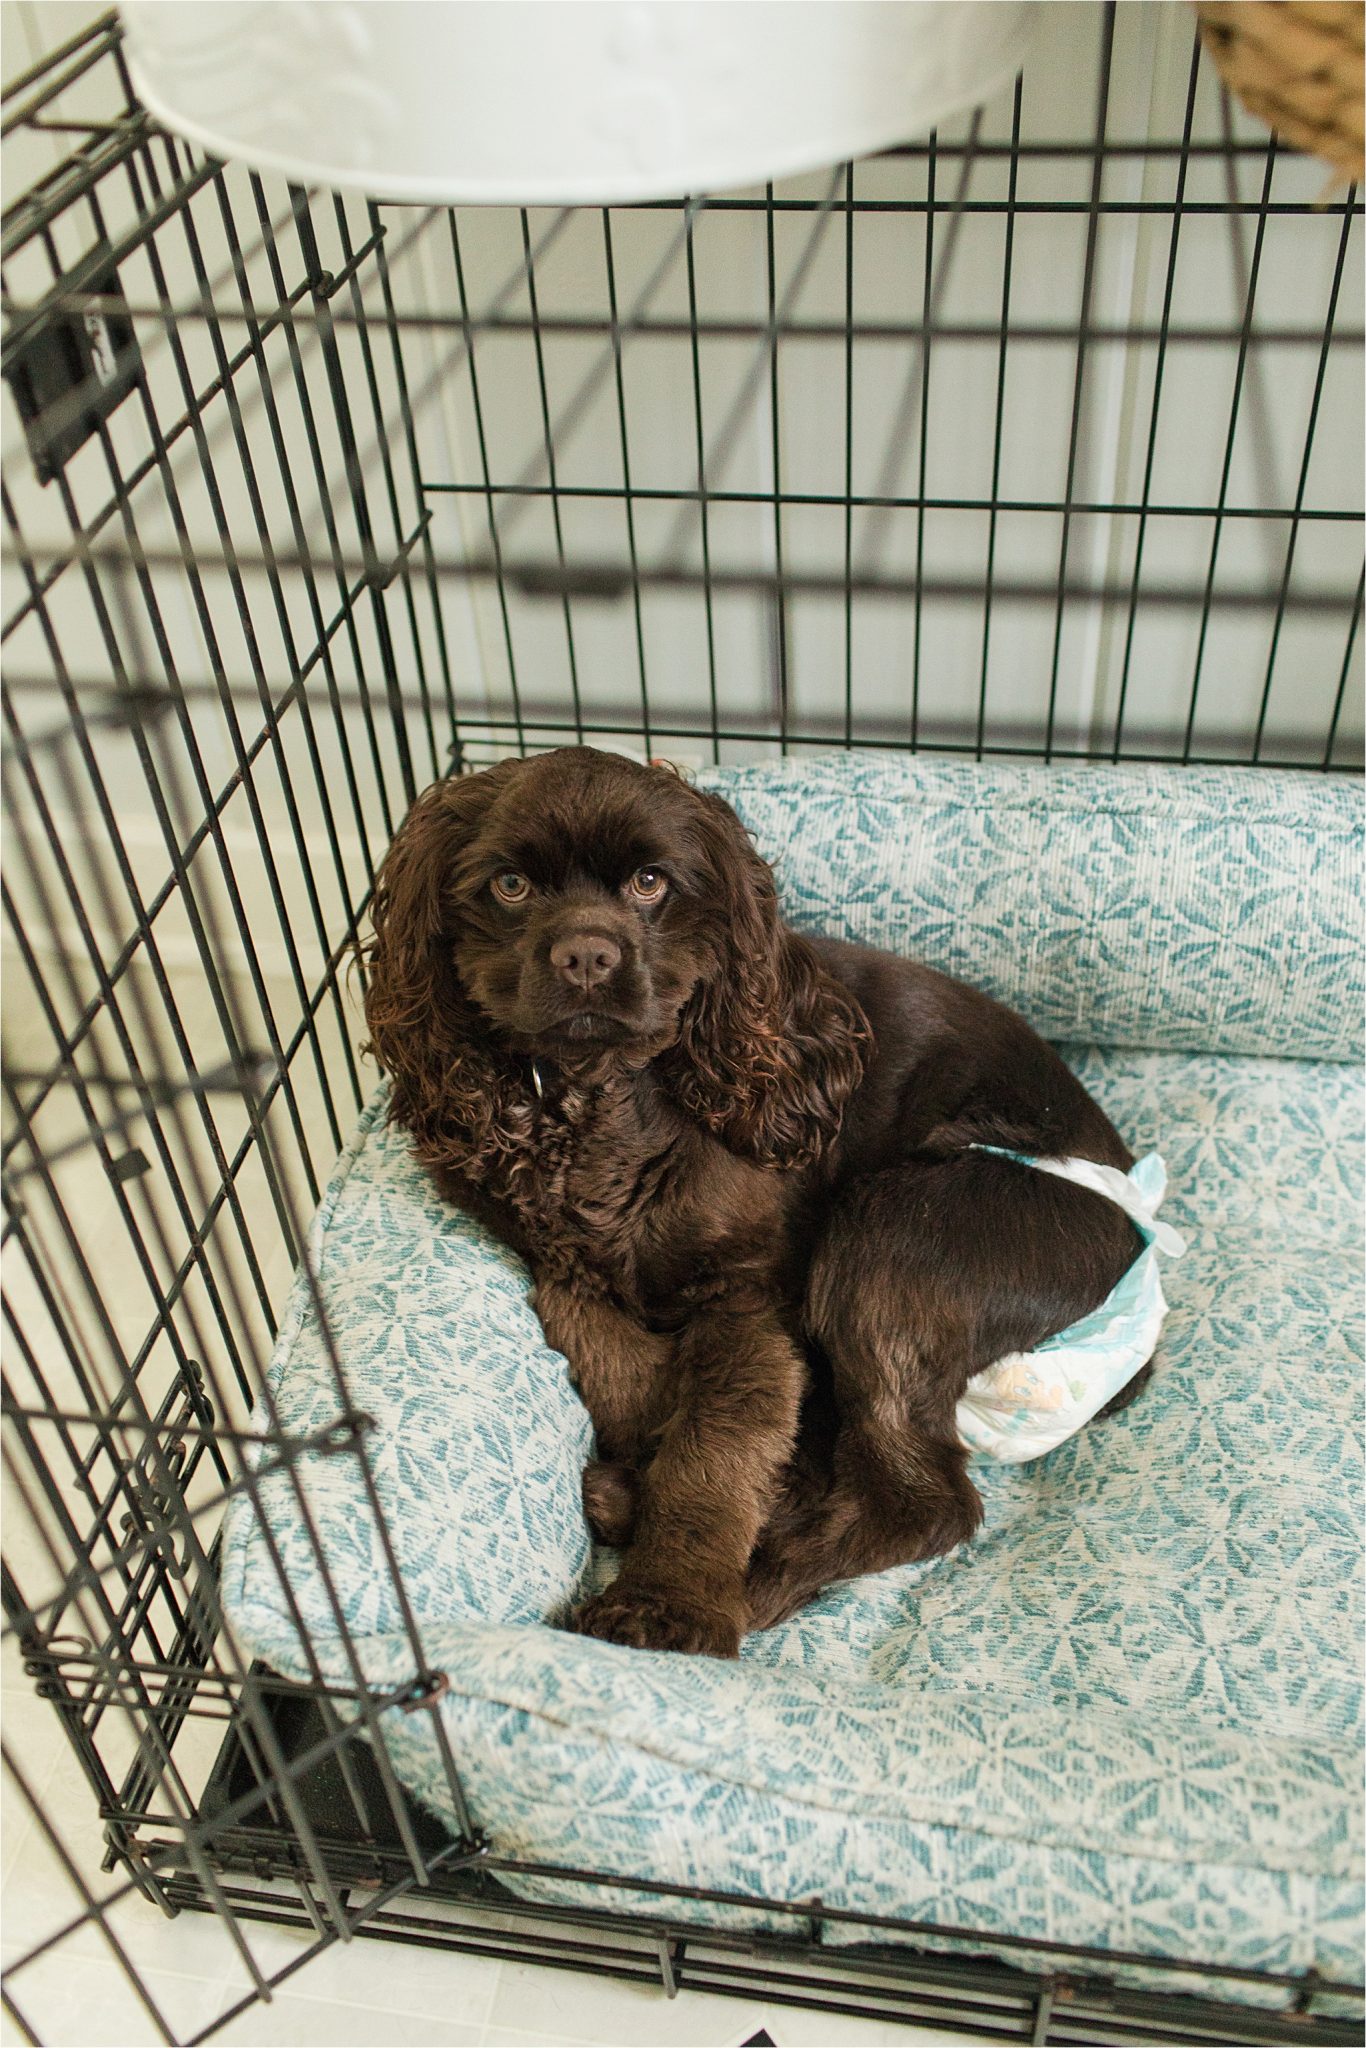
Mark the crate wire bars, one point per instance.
(307, 502)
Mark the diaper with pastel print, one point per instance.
(1030, 1402)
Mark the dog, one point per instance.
(743, 1168)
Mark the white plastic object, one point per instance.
(563, 102)
(1026, 1404)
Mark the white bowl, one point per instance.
(564, 102)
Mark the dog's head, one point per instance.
(576, 906)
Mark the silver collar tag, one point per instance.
(537, 1082)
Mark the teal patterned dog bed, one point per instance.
(1128, 1714)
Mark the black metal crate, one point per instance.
(309, 501)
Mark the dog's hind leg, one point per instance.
(900, 1492)
(926, 1273)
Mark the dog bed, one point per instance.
(1128, 1714)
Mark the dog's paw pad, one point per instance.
(658, 1621)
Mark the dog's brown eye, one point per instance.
(510, 887)
(647, 885)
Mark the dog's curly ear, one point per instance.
(424, 1031)
(770, 1046)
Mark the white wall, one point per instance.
(1148, 91)
(1147, 97)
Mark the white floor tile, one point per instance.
(12, 1665)
(515, 2037)
(573, 2006)
(273, 1949)
(794, 2027)
(38, 1898)
(191, 1944)
(294, 2022)
(395, 1976)
(28, 1739)
(73, 2001)
(30, 1725)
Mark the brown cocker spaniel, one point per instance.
(740, 1166)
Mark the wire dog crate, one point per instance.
(1040, 438)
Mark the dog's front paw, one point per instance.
(644, 1618)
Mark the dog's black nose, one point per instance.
(585, 959)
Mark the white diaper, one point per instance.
(1032, 1401)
